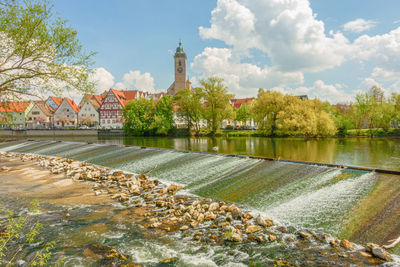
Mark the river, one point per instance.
(377, 153)
(358, 205)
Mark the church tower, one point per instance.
(180, 61)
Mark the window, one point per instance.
(67, 109)
(108, 121)
(35, 112)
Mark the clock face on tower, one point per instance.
(180, 70)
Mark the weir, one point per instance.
(337, 200)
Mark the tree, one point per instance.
(138, 116)
(144, 117)
(217, 106)
(64, 120)
(163, 121)
(88, 121)
(39, 53)
(190, 108)
(242, 113)
(265, 110)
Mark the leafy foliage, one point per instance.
(39, 53)
(217, 102)
(144, 117)
(289, 115)
(19, 232)
(190, 108)
(242, 114)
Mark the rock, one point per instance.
(213, 206)
(247, 216)
(334, 242)
(264, 221)
(252, 229)
(365, 254)
(184, 228)
(229, 218)
(346, 244)
(209, 216)
(272, 238)
(282, 229)
(305, 235)
(170, 260)
(236, 213)
(378, 251)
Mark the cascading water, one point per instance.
(316, 197)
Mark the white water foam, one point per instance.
(325, 206)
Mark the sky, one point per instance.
(330, 49)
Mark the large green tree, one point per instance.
(39, 53)
(163, 121)
(242, 113)
(145, 117)
(217, 102)
(190, 108)
(138, 116)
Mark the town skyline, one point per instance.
(340, 47)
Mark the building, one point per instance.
(237, 103)
(89, 110)
(38, 115)
(54, 102)
(12, 114)
(180, 69)
(110, 114)
(66, 115)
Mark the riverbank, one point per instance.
(353, 133)
(204, 221)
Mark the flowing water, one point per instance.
(357, 205)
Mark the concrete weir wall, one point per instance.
(27, 133)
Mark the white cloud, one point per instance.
(359, 25)
(382, 50)
(135, 80)
(383, 75)
(243, 79)
(287, 31)
(103, 79)
(325, 92)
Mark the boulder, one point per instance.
(378, 251)
(252, 229)
(344, 243)
(264, 221)
(213, 206)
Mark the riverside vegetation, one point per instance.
(276, 114)
(164, 209)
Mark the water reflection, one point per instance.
(364, 152)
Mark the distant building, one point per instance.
(54, 102)
(66, 115)
(237, 103)
(302, 97)
(180, 67)
(12, 114)
(110, 115)
(38, 115)
(89, 110)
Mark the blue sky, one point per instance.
(326, 49)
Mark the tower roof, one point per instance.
(179, 49)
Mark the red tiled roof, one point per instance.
(57, 100)
(96, 98)
(238, 102)
(72, 104)
(46, 109)
(124, 96)
(13, 106)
